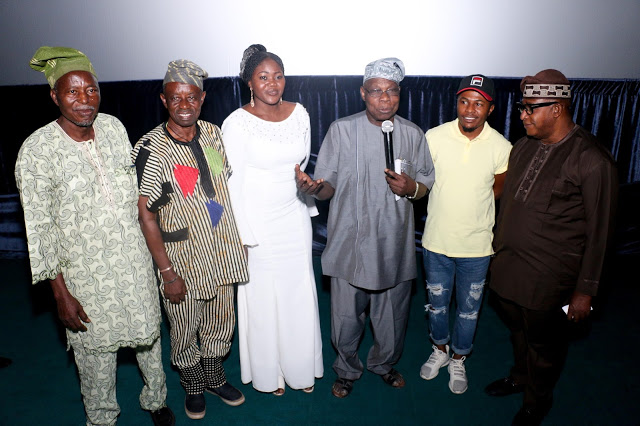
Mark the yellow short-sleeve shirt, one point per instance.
(461, 209)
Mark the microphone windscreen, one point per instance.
(387, 126)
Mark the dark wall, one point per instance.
(608, 108)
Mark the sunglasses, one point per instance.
(530, 107)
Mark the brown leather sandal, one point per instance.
(393, 378)
(342, 388)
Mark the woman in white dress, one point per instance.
(278, 324)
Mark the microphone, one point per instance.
(387, 130)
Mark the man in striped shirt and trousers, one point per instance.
(187, 220)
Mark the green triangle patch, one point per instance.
(214, 159)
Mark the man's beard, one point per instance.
(86, 123)
(466, 129)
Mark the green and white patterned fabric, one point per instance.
(81, 217)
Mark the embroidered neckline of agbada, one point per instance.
(87, 148)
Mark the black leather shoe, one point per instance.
(529, 416)
(163, 417)
(503, 387)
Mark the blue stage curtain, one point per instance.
(608, 108)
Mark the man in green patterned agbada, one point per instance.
(78, 189)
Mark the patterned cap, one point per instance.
(548, 83)
(387, 68)
(184, 71)
(55, 62)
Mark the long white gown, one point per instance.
(278, 324)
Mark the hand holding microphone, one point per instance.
(400, 183)
(387, 130)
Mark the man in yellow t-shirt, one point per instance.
(470, 160)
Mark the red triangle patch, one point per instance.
(187, 178)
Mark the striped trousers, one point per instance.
(201, 333)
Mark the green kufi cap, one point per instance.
(55, 62)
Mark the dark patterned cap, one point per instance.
(548, 83)
(478, 83)
(184, 71)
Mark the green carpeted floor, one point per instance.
(599, 385)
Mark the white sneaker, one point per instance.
(457, 376)
(436, 361)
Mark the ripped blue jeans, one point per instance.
(469, 274)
